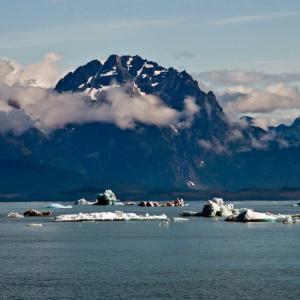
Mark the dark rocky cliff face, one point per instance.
(211, 152)
(170, 156)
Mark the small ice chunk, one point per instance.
(34, 225)
(83, 202)
(14, 215)
(178, 219)
(57, 205)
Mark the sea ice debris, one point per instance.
(57, 205)
(14, 215)
(108, 216)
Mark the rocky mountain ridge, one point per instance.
(204, 151)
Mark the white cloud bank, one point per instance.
(270, 98)
(26, 101)
(40, 74)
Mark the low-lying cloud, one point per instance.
(26, 101)
(270, 98)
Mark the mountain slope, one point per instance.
(200, 150)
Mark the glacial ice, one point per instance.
(178, 219)
(34, 225)
(82, 201)
(57, 205)
(106, 198)
(250, 215)
(213, 208)
(217, 208)
(109, 216)
(14, 215)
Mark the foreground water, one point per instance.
(198, 259)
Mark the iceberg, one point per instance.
(213, 208)
(217, 208)
(106, 198)
(109, 216)
(14, 215)
(57, 205)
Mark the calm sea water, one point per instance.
(199, 259)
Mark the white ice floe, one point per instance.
(83, 202)
(250, 215)
(14, 215)
(178, 219)
(109, 216)
(57, 205)
(34, 225)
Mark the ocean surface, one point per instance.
(199, 259)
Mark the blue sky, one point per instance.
(192, 34)
(246, 51)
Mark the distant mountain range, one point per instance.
(202, 151)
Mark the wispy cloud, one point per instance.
(26, 101)
(89, 31)
(270, 98)
(254, 18)
(223, 78)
